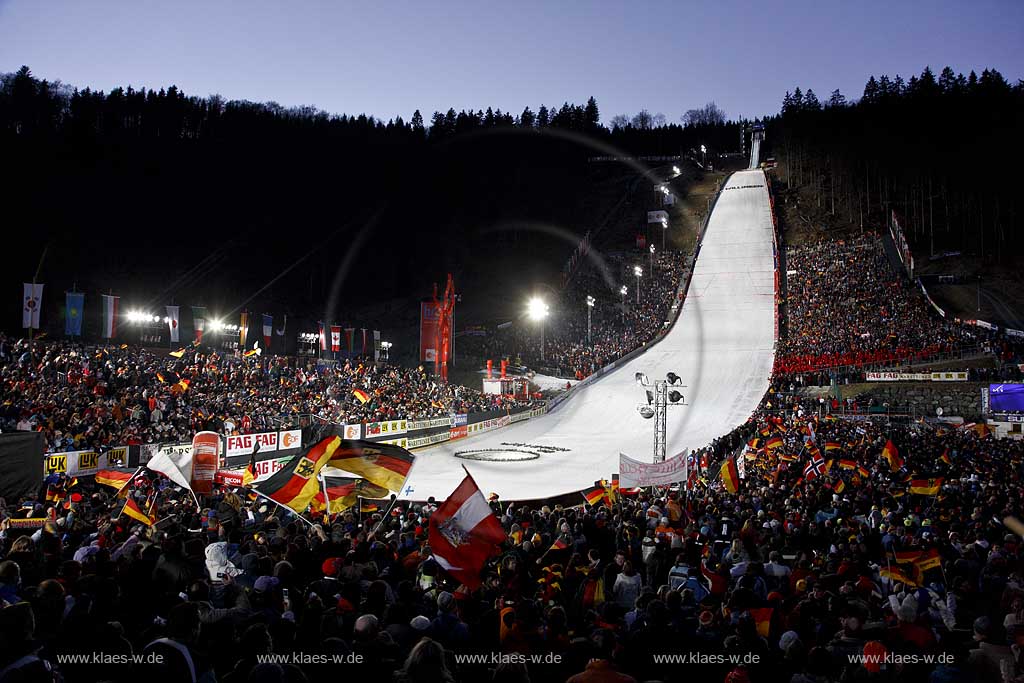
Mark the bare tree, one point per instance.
(643, 120)
(619, 121)
(709, 114)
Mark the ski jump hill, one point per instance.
(721, 345)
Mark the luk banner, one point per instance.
(430, 319)
(634, 473)
(83, 463)
(205, 446)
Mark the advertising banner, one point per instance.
(268, 441)
(76, 463)
(657, 216)
(389, 428)
(354, 432)
(420, 441)
(960, 376)
(430, 318)
(264, 468)
(205, 447)
(634, 473)
(415, 425)
(1006, 397)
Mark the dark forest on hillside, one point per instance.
(940, 151)
(164, 197)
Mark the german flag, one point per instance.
(594, 495)
(754, 444)
(926, 487)
(167, 377)
(368, 507)
(814, 451)
(863, 471)
(249, 475)
(144, 513)
(906, 556)
(847, 465)
(361, 395)
(113, 478)
(383, 464)
(344, 492)
(788, 458)
(179, 353)
(896, 575)
(773, 443)
(944, 458)
(929, 559)
(559, 544)
(181, 386)
(251, 352)
(833, 446)
(892, 456)
(840, 486)
(730, 476)
(294, 485)
(762, 617)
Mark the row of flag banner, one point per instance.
(254, 330)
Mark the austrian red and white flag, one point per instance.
(172, 323)
(110, 316)
(32, 302)
(464, 533)
(335, 338)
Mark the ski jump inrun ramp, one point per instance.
(722, 346)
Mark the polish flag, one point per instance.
(110, 316)
(464, 533)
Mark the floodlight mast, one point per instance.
(662, 399)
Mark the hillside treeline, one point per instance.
(940, 151)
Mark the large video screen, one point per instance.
(1005, 397)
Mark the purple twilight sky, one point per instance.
(390, 58)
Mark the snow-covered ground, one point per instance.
(547, 382)
(722, 347)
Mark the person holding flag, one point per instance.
(464, 533)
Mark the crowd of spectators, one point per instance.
(792, 576)
(618, 323)
(845, 305)
(90, 397)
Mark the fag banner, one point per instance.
(205, 446)
(633, 473)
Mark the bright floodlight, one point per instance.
(536, 309)
(623, 290)
(591, 301)
(703, 149)
(652, 248)
(638, 271)
(675, 169)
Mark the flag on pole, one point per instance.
(730, 476)
(172, 323)
(199, 322)
(892, 456)
(349, 333)
(31, 305)
(113, 478)
(268, 330)
(363, 352)
(926, 487)
(323, 337)
(376, 345)
(294, 485)
(110, 316)
(74, 303)
(383, 464)
(145, 513)
(284, 326)
(243, 329)
(464, 533)
(361, 395)
(594, 495)
(335, 338)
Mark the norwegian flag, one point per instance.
(815, 468)
(464, 533)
